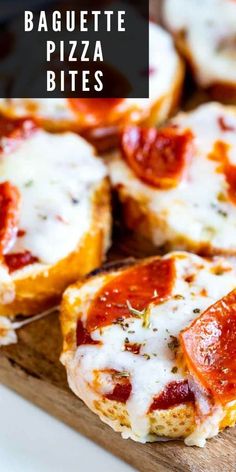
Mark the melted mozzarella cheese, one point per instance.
(194, 208)
(164, 64)
(152, 369)
(56, 175)
(210, 27)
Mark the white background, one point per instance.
(33, 441)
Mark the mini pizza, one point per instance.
(101, 118)
(205, 33)
(150, 347)
(54, 214)
(177, 184)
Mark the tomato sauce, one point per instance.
(122, 389)
(158, 157)
(82, 335)
(12, 131)
(210, 349)
(9, 215)
(220, 154)
(139, 285)
(16, 261)
(173, 394)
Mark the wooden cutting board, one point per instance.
(32, 369)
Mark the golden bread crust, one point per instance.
(221, 91)
(42, 289)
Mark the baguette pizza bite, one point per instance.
(150, 347)
(54, 214)
(177, 184)
(205, 32)
(101, 118)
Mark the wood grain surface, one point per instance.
(32, 368)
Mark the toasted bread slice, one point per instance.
(205, 35)
(86, 116)
(121, 348)
(55, 215)
(177, 184)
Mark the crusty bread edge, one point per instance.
(177, 422)
(42, 289)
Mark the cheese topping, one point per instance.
(198, 284)
(209, 29)
(56, 176)
(199, 208)
(164, 63)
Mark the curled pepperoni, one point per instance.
(209, 347)
(12, 131)
(174, 394)
(158, 157)
(9, 215)
(139, 285)
(16, 261)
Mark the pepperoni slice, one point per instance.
(16, 261)
(9, 215)
(122, 387)
(174, 394)
(82, 335)
(140, 285)
(12, 131)
(94, 111)
(158, 157)
(210, 349)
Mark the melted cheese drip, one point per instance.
(164, 64)
(56, 175)
(193, 209)
(152, 369)
(209, 24)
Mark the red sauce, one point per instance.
(210, 349)
(174, 394)
(21, 233)
(133, 347)
(122, 389)
(220, 154)
(140, 285)
(82, 335)
(16, 261)
(9, 215)
(230, 175)
(12, 131)
(158, 157)
(224, 126)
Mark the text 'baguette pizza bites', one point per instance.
(105, 116)
(125, 355)
(205, 33)
(54, 214)
(177, 184)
